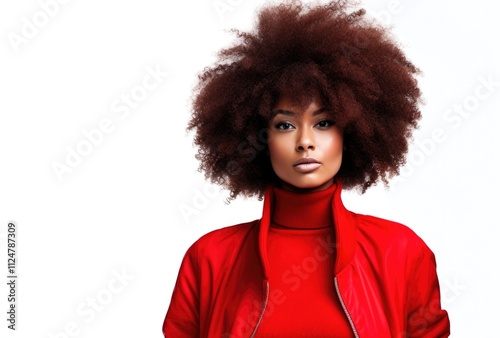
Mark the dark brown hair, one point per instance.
(303, 51)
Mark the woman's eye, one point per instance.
(325, 123)
(283, 126)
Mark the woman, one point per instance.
(315, 100)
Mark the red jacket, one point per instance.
(385, 277)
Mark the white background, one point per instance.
(118, 211)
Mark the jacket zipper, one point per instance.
(345, 308)
(263, 310)
(338, 294)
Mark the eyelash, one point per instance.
(330, 123)
(279, 125)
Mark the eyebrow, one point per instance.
(291, 113)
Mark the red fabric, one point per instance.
(385, 278)
(301, 269)
(302, 211)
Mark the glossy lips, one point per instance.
(306, 164)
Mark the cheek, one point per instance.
(337, 146)
(336, 142)
(278, 151)
(334, 154)
(275, 151)
(333, 144)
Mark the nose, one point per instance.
(305, 140)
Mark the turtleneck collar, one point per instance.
(303, 210)
(344, 223)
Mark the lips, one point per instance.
(306, 164)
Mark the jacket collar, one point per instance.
(344, 222)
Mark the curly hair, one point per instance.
(302, 51)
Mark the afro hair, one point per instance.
(302, 51)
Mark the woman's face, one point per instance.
(305, 146)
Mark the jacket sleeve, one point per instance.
(183, 317)
(426, 318)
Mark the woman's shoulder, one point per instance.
(219, 240)
(389, 233)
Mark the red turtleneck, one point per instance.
(301, 256)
